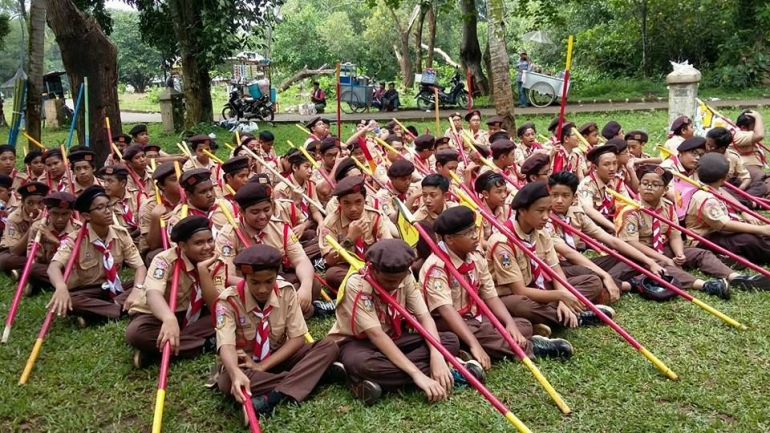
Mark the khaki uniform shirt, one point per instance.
(441, 288)
(276, 233)
(16, 227)
(673, 165)
(738, 169)
(89, 268)
(131, 199)
(336, 225)
(161, 272)
(748, 151)
(423, 214)
(146, 180)
(19, 178)
(502, 213)
(673, 143)
(47, 248)
(145, 218)
(637, 225)
(707, 214)
(361, 308)
(237, 326)
(282, 191)
(591, 192)
(510, 264)
(79, 188)
(577, 218)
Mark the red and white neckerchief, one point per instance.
(468, 270)
(657, 238)
(359, 248)
(393, 191)
(532, 147)
(608, 202)
(261, 350)
(538, 276)
(568, 238)
(390, 314)
(61, 185)
(110, 267)
(562, 162)
(128, 214)
(196, 300)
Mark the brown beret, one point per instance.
(555, 123)
(82, 155)
(679, 123)
(151, 147)
(118, 171)
(639, 136)
(345, 166)
(534, 163)
(424, 142)
(312, 123)
(121, 138)
(59, 199)
(594, 154)
(499, 135)
(235, 164)
(666, 175)
(588, 128)
(84, 200)
(472, 113)
(441, 140)
(162, 171)
(199, 139)
(349, 185)
(391, 256)
(529, 194)
(329, 143)
(258, 258)
(454, 220)
(252, 193)
(401, 167)
(52, 153)
(495, 120)
(523, 129)
(187, 227)
(619, 144)
(611, 129)
(692, 143)
(32, 188)
(191, 178)
(501, 147)
(131, 151)
(263, 178)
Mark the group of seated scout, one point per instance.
(247, 240)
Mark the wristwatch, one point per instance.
(347, 243)
(139, 286)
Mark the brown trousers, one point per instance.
(296, 377)
(38, 272)
(521, 306)
(753, 248)
(143, 330)
(10, 262)
(335, 274)
(363, 360)
(94, 302)
(491, 341)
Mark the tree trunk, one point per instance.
(499, 65)
(418, 39)
(35, 68)
(402, 53)
(431, 33)
(470, 51)
(74, 31)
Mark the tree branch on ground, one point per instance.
(305, 73)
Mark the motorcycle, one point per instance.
(457, 95)
(261, 108)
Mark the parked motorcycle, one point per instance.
(260, 108)
(457, 95)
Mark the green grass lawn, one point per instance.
(84, 380)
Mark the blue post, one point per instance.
(75, 115)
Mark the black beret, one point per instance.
(118, 171)
(151, 147)
(329, 143)
(594, 154)
(555, 123)
(137, 129)
(202, 139)
(501, 147)
(441, 140)
(494, 120)
(59, 199)
(262, 178)
(424, 142)
(639, 136)
(534, 163)
(619, 144)
(87, 196)
(401, 167)
(679, 123)
(184, 229)
(258, 258)
(311, 124)
(313, 146)
(588, 128)
(454, 220)
(499, 135)
(472, 113)
(411, 130)
(344, 167)
(349, 185)
(131, 151)
(611, 129)
(651, 168)
(7, 148)
(235, 164)
(191, 178)
(76, 148)
(529, 194)
(32, 155)
(52, 153)
(82, 155)
(692, 143)
(121, 138)
(485, 179)
(32, 188)
(252, 193)
(6, 181)
(162, 171)
(390, 255)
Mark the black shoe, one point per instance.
(210, 344)
(365, 390)
(141, 359)
(551, 347)
(588, 317)
(473, 368)
(335, 374)
(751, 282)
(323, 308)
(718, 288)
(265, 404)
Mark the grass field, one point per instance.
(84, 380)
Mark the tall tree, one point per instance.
(35, 68)
(470, 51)
(75, 30)
(138, 62)
(403, 54)
(502, 94)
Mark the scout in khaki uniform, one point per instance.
(398, 186)
(590, 131)
(319, 129)
(260, 330)
(752, 131)
(83, 167)
(473, 118)
(490, 187)
(447, 162)
(626, 170)
(522, 283)
(260, 226)
(188, 329)
(8, 165)
(381, 172)
(434, 198)
(720, 223)
(199, 143)
(596, 202)
(124, 203)
(5, 199)
(54, 229)
(236, 173)
(566, 155)
(13, 246)
(664, 244)
(55, 170)
(35, 167)
(684, 163)
(455, 311)
(136, 161)
(504, 159)
(636, 141)
(612, 130)
(330, 155)
(354, 225)
(201, 199)
(121, 141)
(528, 144)
(301, 173)
(139, 134)
(537, 168)
(424, 146)
(682, 128)
(377, 352)
(94, 289)
(150, 212)
(718, 140)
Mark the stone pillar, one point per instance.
(682, 92)
(53, 113)
(171, 109)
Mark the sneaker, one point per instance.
(464, 356)
(210, 345)
(265, 404)
(141, 359)
(365, 390)
(542, 330)
(551, 347)
(319, 264)
(588, 317)
(337, 373)
(323, 308)
(718, 288)
(213, 377)
(29, 290)
(751, 282)
(473, 368)
(15, 275)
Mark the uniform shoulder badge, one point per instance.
(505, 260)
(159, 273)
(631, 228)
(367, 302)
(227, 251)
(220, 311)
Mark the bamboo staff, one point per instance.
(758, 200)
(75, 116)
(250, 414)
(565, 86)
(159, 201)
(20, 288)
(33, 141)
(87, 114)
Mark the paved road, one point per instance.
(130, 117)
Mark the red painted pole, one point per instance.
(20, 289)
(253, 420)
(758, 200)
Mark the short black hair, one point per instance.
(445, 156)
(712, 167)
(523, 129)
(721, 136)
(566, 130)
(744, 121)
(266, 136)
(437, 181)
(316, 83)
(566, 178)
